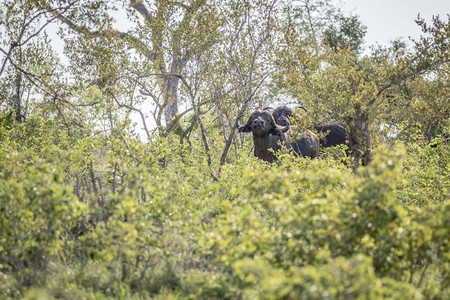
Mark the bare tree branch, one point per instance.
(140, 7)
(407, 76)
(133, 109)
(127, 145)
(199, 119)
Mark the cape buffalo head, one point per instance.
(262, 123)
(281, 114)
(267, 135)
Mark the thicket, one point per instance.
(96, 203)
(81, 220)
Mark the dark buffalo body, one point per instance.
(266, 134)
(332, 134)
(307, 145)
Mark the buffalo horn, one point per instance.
(286, 128)
(237, 124)
(302, 107)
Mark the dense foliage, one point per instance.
(81, 220)
(97, 203)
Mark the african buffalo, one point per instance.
(335, 134)
(266, 134)
(332, 134)
(307, 144)
(282, 113)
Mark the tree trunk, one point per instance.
(17, 99)
(171, 99)
(170, 89)
(367, 152)
(359, 139)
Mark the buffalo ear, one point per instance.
(244, 128)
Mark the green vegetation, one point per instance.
(81, 220)
(90, 209)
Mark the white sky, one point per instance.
(387, 20)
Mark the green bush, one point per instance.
(38, 212)
(339, 278)
(85, 218)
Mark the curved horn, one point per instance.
(302, 107)
(287, 127)
(237, 124)
(268, 108)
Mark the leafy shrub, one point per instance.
(37, 210)
(96, 217)
(339, 278)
